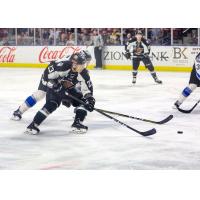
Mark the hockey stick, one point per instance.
(140, 119)
(190, 110)
(145, 133)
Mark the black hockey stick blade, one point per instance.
(140, 119)
(143, 133)
(190, 110)
(148, 133)
(164, 121)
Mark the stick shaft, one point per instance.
(146, 133)
(137, 118)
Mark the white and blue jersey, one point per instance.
(195, 74)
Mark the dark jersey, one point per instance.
(137, 48)
(83, 78)
(59, 71)
(56, 70)
(61, 66)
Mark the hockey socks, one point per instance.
(77, 126)
(134, 76)
(185, 93)
(38, 119)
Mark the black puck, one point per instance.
(180, 132)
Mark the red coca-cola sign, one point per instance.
(7, 54)
(47, 55)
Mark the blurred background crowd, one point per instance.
(85, 36)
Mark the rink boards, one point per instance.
(164, 58)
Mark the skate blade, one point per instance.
(78, 131)
(15, 118)
(31, 132)
(159, 83)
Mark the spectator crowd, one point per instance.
(85, 36)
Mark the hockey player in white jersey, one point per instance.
(40, 94)
(194, 82)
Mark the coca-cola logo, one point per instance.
(7, 54)
(47, 55)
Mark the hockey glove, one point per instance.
(90, 102)
(127, 55)
(146, 55)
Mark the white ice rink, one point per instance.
(107, 145)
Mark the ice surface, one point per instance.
(107, 145)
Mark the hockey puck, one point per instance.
(180, 132)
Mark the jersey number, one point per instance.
(89, 83)
(198, 67)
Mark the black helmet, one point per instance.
(79, 57)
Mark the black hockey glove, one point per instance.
(146, 55)
(90, 102)
(127, 55)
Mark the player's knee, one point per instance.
(50, 107)
(186, 92)
(30, 101)
(150, 67)
(135, 67)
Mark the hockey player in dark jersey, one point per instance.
(40, 94)
(138, 50)
(194, 82)
(62, 81)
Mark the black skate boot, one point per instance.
(153, 74)
(32, 129)
(78, 127)
(158, 81)
(17, 115)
